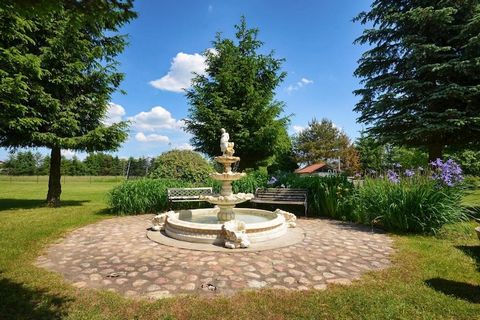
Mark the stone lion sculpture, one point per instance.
(235, 234)
(159, 221)
(290, 218)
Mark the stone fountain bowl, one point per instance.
(228, 200)
(187, 225)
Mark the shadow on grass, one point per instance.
(473, 252)
(19, 302)
(9, 204)
(461, 290)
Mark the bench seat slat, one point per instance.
(279, 202)
(281, 196)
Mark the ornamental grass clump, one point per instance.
(412, 201)
(329, 196)
(141, 196)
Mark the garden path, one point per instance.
(116, 255)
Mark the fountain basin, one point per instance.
(187, 225)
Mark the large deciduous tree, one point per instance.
(57, 72)
(421, 77)
(322, 141)
(237, 93)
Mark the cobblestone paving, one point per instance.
(116, 255)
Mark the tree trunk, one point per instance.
(54, 186)
(435, 151)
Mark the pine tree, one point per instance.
(421, 78)
(237, 93)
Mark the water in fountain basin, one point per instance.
(206, 217)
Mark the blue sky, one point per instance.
(167, 40)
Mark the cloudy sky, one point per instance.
(166, 45)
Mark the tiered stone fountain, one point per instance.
(224, 224)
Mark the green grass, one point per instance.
(431, 277)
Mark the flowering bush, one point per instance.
(447, 173)
(415, 201)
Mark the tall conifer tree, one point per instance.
(421, 77)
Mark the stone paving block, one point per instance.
(116, 255)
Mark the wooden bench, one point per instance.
(281, 196)
(187, 194)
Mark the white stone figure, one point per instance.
(235, 234)
(290, 218)
(230, 151)
(159, 221)
(224, 141)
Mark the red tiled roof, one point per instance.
(311, 168)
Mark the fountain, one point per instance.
(225, 224)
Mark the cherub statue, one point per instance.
(224, 141)
(230, 151)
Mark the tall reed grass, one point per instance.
(417, 205)
(142, 196)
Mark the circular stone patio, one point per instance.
(116, 255)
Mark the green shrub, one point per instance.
(254, 179)
(185, 165)
(411, 205)
(141, 196)
(329, 196)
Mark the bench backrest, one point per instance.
(188, 193)
(281, 194)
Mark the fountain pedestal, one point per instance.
(226, 201)
(250, 225)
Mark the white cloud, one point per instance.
(184, 146)
(181, 72)
(298, 129)
(157, 118)
(303, 82)
(115, 113)
(141, 137)
(69, 154)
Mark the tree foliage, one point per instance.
(322, 141)
(58, 72)
(469, 161)
(377, 156)
(185, 165)
(237, 93)
(421, 78)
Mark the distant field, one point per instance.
(65, 179)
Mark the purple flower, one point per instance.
(397, 165)
(393, 176)
(409, 173)
(448, 173)
(272, 180)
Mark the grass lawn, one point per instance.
(431, 277)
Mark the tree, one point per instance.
(183, 165)
(469, 161)
(283, 158)
(237, 93)
(323, 141)
(421, 78)
(58, 72)
(371, 152)
(22, 164)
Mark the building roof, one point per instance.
(311, 168)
